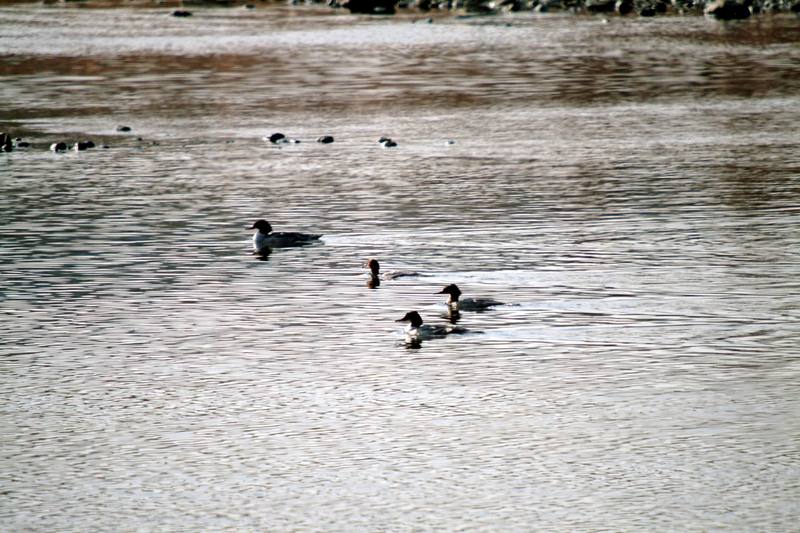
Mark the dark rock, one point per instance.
(5, 142)
(478, 6)
(647, 12)
(58, 147)
(624, 7)
(276, 138)
(727, 10)
(181, 13)
(601, 6)
(82, 145)
(123, 128)
(512, 5)
(660, 7)
(795, 7)
(325, 139)
(371, 7)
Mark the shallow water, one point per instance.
(631, 189)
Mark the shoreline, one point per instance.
(718, 9)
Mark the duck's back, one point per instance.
(399, 274)
(278, 239)
(474, 304)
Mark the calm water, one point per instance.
(631, 189)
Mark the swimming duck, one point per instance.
(416, 330)
(467, 304)
(265, 238)
(375, 272)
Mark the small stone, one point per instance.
(181, 13)
(123, 128)
(325, 139)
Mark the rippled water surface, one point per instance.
(630, 188)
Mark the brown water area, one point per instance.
(628, 188)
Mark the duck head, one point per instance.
(412, 317)
(262, 225)
(452, 290)
(374, 267)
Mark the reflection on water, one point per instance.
(630, 188)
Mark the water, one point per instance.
(631, 188)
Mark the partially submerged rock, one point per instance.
(5, 142)
(371, 7)
(727, 10)
(82, 145)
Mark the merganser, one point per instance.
(265, 238)
(375, 272)
(386, 142)
(417, 331)
(467, 304)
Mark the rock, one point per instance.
(276, 138)
(82, 145)
(123, 128)
(58, 147)
(624, 7)
(371, 7)
(325, 139)
(602, 6)
(5, 142)
(181, 13)
(795, 7)
(727, 10)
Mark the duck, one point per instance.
(375, 272)
(417, 331)
(386, 142)
(265, 238)
(454, 303)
